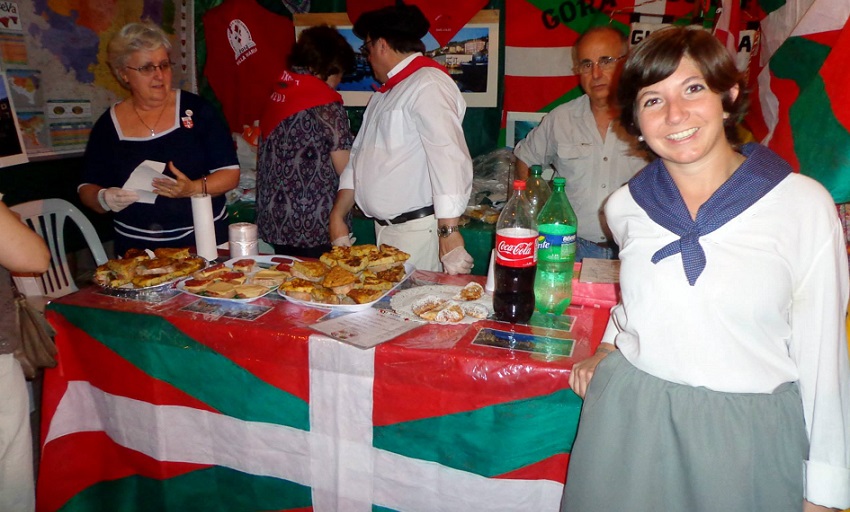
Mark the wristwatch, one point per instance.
(445, 231)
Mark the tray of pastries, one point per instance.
(145, 269)
(347, 278)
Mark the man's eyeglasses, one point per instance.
(364, 48)
(605, 63)
(150, 69)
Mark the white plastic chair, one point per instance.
(47, 218)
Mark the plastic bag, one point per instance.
(491, 173)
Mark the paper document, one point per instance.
(141, 180)
(364, 329)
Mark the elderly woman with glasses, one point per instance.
(167, 128)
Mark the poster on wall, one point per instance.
(57, 70)
(471, 58)
(518, 124)
(11, 143)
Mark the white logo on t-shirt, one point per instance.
(240, 40)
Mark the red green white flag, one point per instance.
(183, 414)
(800, 99)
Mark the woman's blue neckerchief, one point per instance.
(655, 192)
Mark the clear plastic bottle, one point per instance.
(537, 190)
(556, 253)
(516, 259)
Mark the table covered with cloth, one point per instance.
(154, 407)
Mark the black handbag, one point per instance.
(37, 348)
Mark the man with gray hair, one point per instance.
(585, 143)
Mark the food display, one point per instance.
(443, 303)
(347, 276)
(144, 269)
(485, 214)
(240, 279)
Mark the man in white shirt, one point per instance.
(409, 168)
(584, 142)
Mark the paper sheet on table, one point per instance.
(141, 180)
(594, 270)
(364, 329)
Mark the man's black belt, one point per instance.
(404, 217)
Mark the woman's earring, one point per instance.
(640, 138)
(726, 115)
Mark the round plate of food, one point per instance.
(224, 291)
(340, 289)
(443, 304)
(243, 279)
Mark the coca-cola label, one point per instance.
(516, 251)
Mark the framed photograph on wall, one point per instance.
(471, 57)
(518, 124)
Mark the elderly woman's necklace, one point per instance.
(161, 112)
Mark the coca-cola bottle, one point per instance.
(516, 259)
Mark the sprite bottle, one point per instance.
(556, 252)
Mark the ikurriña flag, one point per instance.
(800, 100)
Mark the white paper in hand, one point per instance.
(141, 180)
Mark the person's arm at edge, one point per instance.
(343, 204)
(24, 250)
(818, 342)
(452, 241)
(88, 196)
(440, 127)
(583, 371)
(339, 159)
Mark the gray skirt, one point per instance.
(646, 444)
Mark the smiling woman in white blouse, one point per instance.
(723, 381)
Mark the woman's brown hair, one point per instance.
(322, 50)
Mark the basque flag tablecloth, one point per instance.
(168, 410)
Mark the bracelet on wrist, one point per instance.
(604, 350)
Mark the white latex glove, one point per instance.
(345, 241)
(457, 261)
(116, 199)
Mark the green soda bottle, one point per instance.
(556, 252)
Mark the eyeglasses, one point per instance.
(364, 48)
(150, 69)
(605, 63)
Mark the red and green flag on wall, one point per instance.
(801, 108)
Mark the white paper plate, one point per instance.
(408, 270)
(402, 301)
